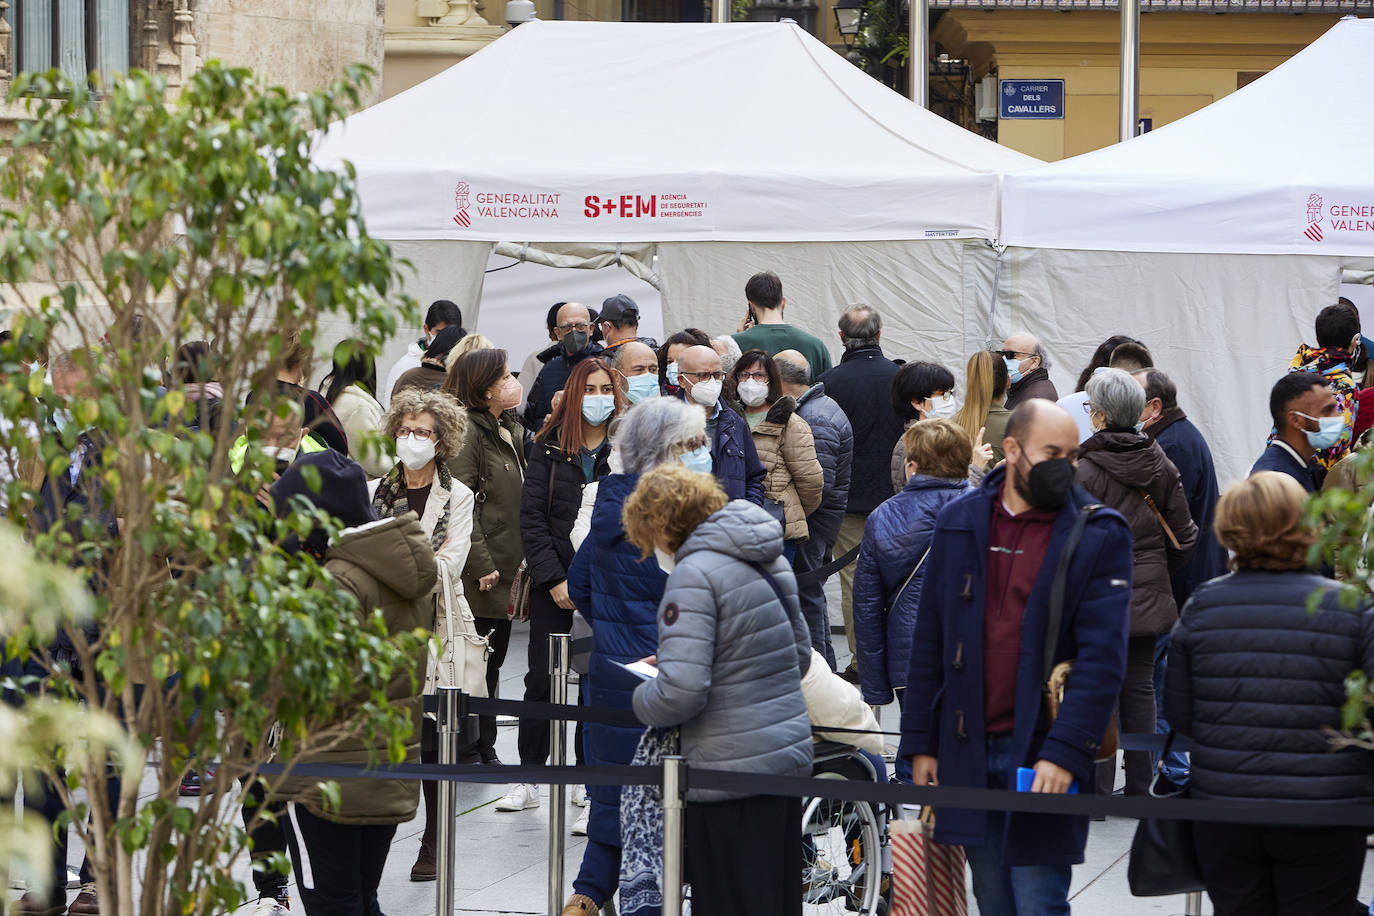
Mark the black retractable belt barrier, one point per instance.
(821, 573)
(477, 772)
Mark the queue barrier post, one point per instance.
(560, 660)
(674, 791)
(1192, 904)
(449, 727)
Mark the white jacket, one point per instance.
(833, 701)
(457, 665)
(361, 416)
(411, 360)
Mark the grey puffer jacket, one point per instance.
(730, 656)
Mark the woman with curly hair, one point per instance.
(428, 429)
(1256, 678)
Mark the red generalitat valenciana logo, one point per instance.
(670, 615)
(460, 200)
(1314, 218)
(625, 206)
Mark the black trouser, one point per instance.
(265, 839)
(1280, 871)
(482, 746)
(813, 554)
(742, 856)
(546, 617)
(338, 866)
(1136, 707)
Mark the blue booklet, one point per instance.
(1025, 778)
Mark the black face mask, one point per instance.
(1047, 484)
(574, 342)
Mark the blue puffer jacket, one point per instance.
(835, 451)
(896, 536)
(1254, 678)
(618, 593)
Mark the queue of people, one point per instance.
(681, 499)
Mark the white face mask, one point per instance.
(283, 454)
(943, 407)
(666, 561)
(414, 453)
(753, 392)
(706, 393)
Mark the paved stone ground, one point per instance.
(502, 856)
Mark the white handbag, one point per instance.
(462, 661)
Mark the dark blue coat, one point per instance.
(1184, 446)
(1276, 458)
(862, 385)
(734, 460)
(619, 594)
(835, 450)
(1255, 679)
(896, 536)
(943, 708)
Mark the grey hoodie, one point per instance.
(730, 656)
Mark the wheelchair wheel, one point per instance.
(841, 857)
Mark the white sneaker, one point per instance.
(519, 797)
(579, 796)
(579, 827)
(271, 906)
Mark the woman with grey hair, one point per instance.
(619, 592)
(428, 428)
(1129, 472)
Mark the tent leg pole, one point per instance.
(1130, 68)
(918, 41)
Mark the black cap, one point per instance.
(619, 307)
(342, 492)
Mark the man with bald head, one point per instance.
(734, 460)
(573, 343)
(637, 363)
(1028, 370)
(974, 709)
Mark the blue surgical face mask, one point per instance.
(672, 374)
(597, 407)
(699, 459)
(1013, 369)
(1327, 433)
(641, 387)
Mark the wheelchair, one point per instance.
(846, 857)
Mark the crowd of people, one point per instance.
(680, 498)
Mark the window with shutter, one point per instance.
(76, 36)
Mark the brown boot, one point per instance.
(425, 868)
(86, 903)
(31, 904)
(581, 905)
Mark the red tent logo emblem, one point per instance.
(460, 200)
(1314, 218)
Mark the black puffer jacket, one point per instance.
(549, 503)
(1122, 468)
(1253, 679)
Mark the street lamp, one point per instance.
(849, 15)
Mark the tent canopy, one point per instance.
(1278, 167)
(608, 132)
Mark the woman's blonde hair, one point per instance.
(940, 448)
(979, 385)
(467, 345)
(1260, 520)
(669, 502)
(450, 423)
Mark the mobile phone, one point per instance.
(1025, 778)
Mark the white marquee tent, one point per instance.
(1215, 239)
(694, 155)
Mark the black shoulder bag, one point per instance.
(1056, 677)
(1163, 853)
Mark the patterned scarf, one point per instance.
(390, 500)
(641, 830)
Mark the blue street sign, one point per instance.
(1031, 99)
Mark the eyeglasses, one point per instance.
(753, 376)
(417, 432)
(579, 326)
(701, 376)
(1016, 354)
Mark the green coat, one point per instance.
(387, 565)
(496, 519)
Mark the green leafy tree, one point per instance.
(132, 225)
